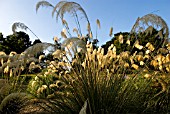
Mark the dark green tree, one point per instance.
(36, 41)
(1, 42)
(17, 42)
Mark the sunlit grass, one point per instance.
(79, 77)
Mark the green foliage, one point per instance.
(1, 42)
(40, 86)
(17, 42)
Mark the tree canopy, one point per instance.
(17, 42)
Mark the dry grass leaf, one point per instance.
(68, 7)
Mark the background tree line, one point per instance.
(17, 42)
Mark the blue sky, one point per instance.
(119, 14)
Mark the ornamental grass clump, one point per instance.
(130, 77)
(95, 82)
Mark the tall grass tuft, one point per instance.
(96, 83)
(13, 103)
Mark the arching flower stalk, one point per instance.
(22, 26)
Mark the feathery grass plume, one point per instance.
(90, 35)
(57, 53)
(58, 6)
(43, 3)
(168, 46)
(64, 22)
(151, 20)
(18, 25)
(76, 43)
(75, 30)
(41, 57)
(63, 34)
(88, 27)
(160, 34)
(111, 32)
(56, 39)
(64, 30)
(98, 23)
(121, 39)
(35, 50)
(39, 47)
(2, 55)
(89, 30)
(47, 4)
(22, 26)
(128, 42)
(14, 102)
(33, 66)
(149, 30)
(137, 45)
(70, 7)
(97, 26)
(150, 46)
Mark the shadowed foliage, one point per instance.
(17, 42)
